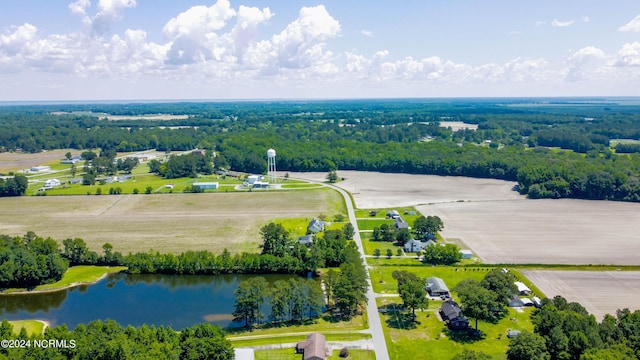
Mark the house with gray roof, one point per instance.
(315, 226)
(436, 287)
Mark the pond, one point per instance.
(178, 301)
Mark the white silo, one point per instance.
(271, 162)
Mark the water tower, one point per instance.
(271, 162)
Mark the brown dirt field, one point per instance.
(501, 226)
(167, 222)
(10, 161)
(601, 292)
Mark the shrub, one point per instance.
(344, 352)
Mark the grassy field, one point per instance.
(450, 274)
(322, 324)
(76, 275)
(288, 339)
(290, 354)
(31, 326)
(209, 221)
(370, 246)
(436, 341)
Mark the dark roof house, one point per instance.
(399, 223)
(436, 287)
(313, 348)
(451, 314)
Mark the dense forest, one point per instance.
(110, 340)
(552, 149)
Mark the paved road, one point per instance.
(375, 325)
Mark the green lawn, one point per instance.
(370, 224)
(286, 339)
(370, 246)
(450, 274)
(322, 324)
(290, 354)
(32, 326)
(77, 275)
(437, 342)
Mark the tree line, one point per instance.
(13, 186)
(386, 136)
(108, 340)
(565, 330)
(295, 299)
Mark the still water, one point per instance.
(178, 301)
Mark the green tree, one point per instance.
(389, 253)
(427, 226)
(399, 252)
(376, 253)
(249, 297)
(501, 283)
(275, 239)
(527, 346)
(348, 231)
(330, 280)
(414, 295)
(148, 190)
(332, 176)
(67, 155)
(74, 170)
(205, 341)
(477, 302)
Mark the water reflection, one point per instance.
(170, 300)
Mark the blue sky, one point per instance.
(164, 49)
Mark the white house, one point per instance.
(415, 246)
(206, 185)
(40, 168)
(51, 183)
(466, 254)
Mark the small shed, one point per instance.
(252, 179)
(466, 254)
(522, 288)
(436, 287)
(306, 240)
(512, 333)
(40, 168)
(313, 348)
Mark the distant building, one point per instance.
(73, 160)
(516, 302)
(206, 185)
(512, 333)
(313, 348)
(51, 183)
(315, 226)
(466, 254)
(415, 246)
(260, 185)
(40, 168)
(436, 287)
(252, 179)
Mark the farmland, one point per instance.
(501, 226)
(163, 222)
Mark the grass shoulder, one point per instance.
(77, 275)
(33, 327)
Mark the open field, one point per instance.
(31, 326)
(167, 222)
(501, 226)
(600, 292)
(18, 161)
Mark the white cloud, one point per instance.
(629, 55)
(587, 64)
(585, 19)
(108, 12)
(631, 26)
(558, 23)
(367, 33)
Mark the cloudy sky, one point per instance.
(260, 49)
